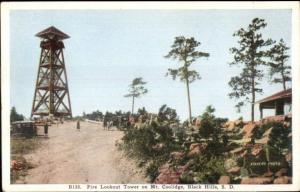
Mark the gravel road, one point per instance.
(86, 156)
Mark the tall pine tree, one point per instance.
(184, 51)
(279, 71)
(250, 55)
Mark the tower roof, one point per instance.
(52, 33)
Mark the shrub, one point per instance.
(14, 116)
(204, 170)
(167, 114)
(278, 137)
(152, 169)
(210, 125)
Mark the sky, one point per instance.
(109, 48)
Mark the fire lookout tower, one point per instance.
(51, 97)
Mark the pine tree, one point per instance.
(136, 90)
(184, 51)
(251, 54)
(14, 116)
(279, 71)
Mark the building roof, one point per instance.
(52, 33)
(282, 94)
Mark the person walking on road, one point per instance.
(78, 125)
(46, 129)
(104, 122)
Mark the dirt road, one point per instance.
(85, 156)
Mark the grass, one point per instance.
(24, 146)
(19, 147)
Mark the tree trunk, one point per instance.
(132, 109)
(284, 87)
(253, 99)
(283, 81)
(189, 100)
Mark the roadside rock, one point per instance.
(248, 130)
(257, 180)
(288, 157)
(224, 180)
(277, 118)
(238, 122)
(229, 125)
(169, 175)
(237, 151)
(234, 170)
(281, 172)
(257, 150)
(268, 174)
(198, 122)
(283, 180)
(196, 148)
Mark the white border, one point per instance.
(5, 77)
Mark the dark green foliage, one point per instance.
(184, 51)
(250, 54)
(279, 138)
(95, 115)
(14, 116)
(215, 148)
(279, 71)
(142, 111)
(141, 142)
(152, 169)
(264, 127)
(167, 114)
(204, 170)
(210, 125)
(152, 143)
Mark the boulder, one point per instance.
(263, 140)
(196, 148)
(288, 157)
(238, 122)
(169, 175)
(257, 180)
(229, 125)
(224, 180)
(287, 124)
(237, 151)
(283, 180)
(281, 172)
(268, 132)
(276, 118)
(234, 170)
(268, 174)
(248, 130)
(198, 122)
(257, 150)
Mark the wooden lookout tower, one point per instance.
(51, 96)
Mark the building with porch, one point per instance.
(281, 102)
